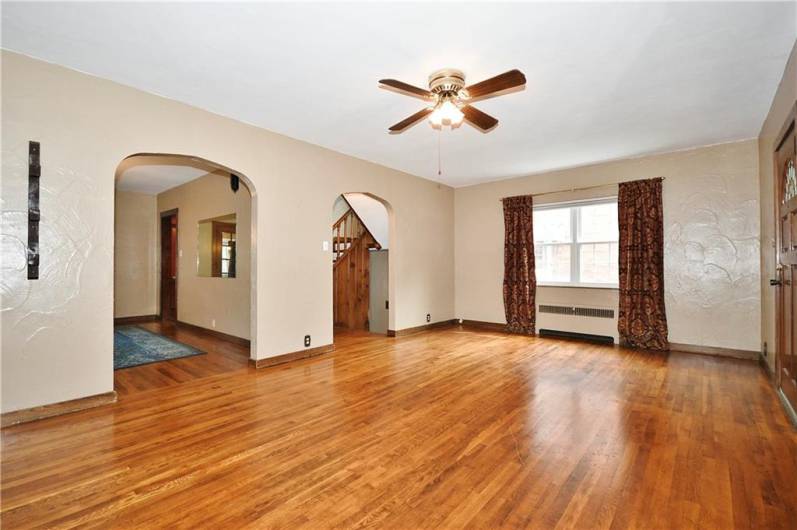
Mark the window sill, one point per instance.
(608, 287)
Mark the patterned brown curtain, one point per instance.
(520, 283)
(642, 321)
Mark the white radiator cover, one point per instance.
(582, 298)
(578, 324)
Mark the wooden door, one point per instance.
(786, 281)
(169, 265)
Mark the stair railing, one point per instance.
(344, 233)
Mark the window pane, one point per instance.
(552, 263)
(552, 226)
(598, 223)
(598, 263)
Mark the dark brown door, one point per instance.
(786, 281)
(169, 265)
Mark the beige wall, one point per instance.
(57, 332)
(781, 105)
(135, 255)
(712, 276)
(205, 249)
(203, 300)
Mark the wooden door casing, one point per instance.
(786, 234)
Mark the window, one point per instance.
(576, 244)
(227, 254)
(216, 250)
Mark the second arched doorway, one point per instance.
(361, 241)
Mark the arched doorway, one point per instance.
(184, 269)
(361, 243)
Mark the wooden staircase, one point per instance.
(351, 242)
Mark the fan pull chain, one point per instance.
(439, 163)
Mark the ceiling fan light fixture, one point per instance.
(449, 99)
(446, 113)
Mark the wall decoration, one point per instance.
(34, 214)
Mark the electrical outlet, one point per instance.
(428, 317)
(325, 246)
(307, 341)
(213, 323)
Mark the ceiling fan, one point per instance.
(449, 99)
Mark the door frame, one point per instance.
(168, 213)
(789, 126)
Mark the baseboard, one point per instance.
(56, 409)
(684, 348)
(494, 326)
(121, 321)
(419, 329)
(770, 375)
(790, 412)
(766, 369)
(713, 350)
(214, 333)
(293, 356)
(486, 326)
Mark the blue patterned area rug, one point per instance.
(134, 346)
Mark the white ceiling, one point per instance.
(153, 180)
(605, 80)
(155, 174)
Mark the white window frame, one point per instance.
(575, 245)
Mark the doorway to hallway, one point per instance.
(168, 284)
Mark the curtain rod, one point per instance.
(576, 189)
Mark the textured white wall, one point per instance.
(711, 241)
(57, 332)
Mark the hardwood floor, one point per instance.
(442, 429)
(221, 357)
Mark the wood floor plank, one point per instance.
(220, 357)
(444, 429)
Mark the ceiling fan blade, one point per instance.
(406, 89)
(479, 119)
(494, 85)
(406, 123)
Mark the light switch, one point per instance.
(325, 246)
(180, 253)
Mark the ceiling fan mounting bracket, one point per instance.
(446, 81)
